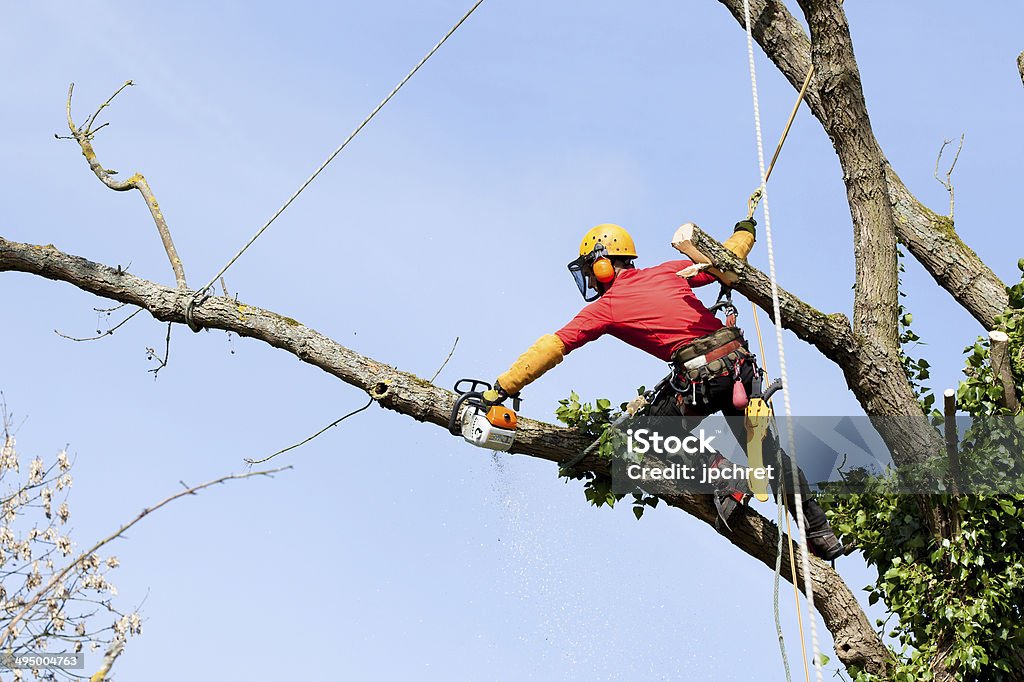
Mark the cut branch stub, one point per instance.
(1000, 357)
(682, 241)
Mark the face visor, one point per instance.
(580, 268)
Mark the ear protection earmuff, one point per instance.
(602, 267)
(604, 271)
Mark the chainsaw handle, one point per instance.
(474, 386)
(453, 418)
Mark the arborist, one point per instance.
(655, 310)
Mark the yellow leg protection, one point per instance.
(545, 353)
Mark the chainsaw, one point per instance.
(480, 418)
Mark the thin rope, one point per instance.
(780, 501)
(775, 601)
(340, 148)
(796, 591)
(776, 307)
(756, 196)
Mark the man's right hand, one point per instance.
(496, 395)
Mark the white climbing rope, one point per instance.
(776, 308)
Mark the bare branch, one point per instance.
(110, 310)
(57, 577)
(250, 462)
(92, 119)
(947, 183)
(84, 139)
(104, 334)
(167, 352)
(445, 360)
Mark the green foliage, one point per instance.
(594, 420)
(961, 596)
(916, 369)
(981, 391)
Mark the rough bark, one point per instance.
(848, 125)
(856, 642)
(873, 371)
(929, 237)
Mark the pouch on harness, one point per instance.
(720, 353)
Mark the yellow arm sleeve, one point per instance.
(545, 353)
(740, 243)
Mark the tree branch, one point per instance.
(9, 630)
(947, 184)
(84, 137)
(873, 371)
(845, 117)
(929, 237)
(856, 642)
(831, 334)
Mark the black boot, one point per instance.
(821, 539)
(729, 494)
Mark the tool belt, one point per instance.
(711, 355)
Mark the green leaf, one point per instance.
(638, 512)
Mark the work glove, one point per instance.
(636, 404)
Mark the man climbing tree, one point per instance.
(655, 310)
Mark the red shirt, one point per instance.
(652, 309)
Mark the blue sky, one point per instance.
(393, 550)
